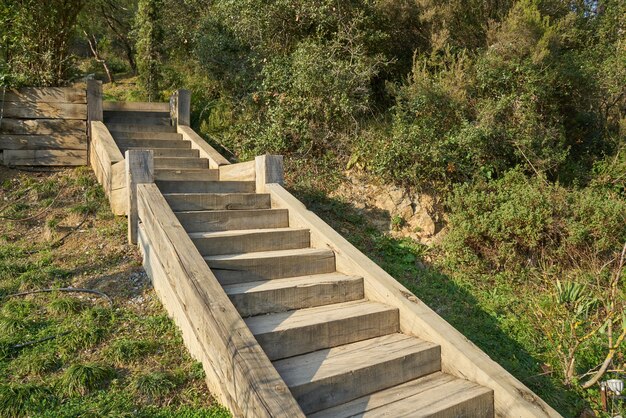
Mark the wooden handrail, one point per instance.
(239, 372)
(206, 151)
(459, 356)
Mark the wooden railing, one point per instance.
(238, 372)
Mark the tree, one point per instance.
(149, 45)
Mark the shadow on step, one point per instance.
(450, 298)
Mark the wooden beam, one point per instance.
(240, 171)
(43, 127)
(250, 384)
(136, 106)
(43, 110)
(139, 170)
(206, 151)
(269, 169)
(460, 357)
(46, 95)
(45, 157)
(33, 142)
(181, 111)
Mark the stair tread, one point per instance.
(298, 281)
(239, 232)
(268, 254)
(278, 322)
(424, 396)
(345, 359)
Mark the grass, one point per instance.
(92, 359)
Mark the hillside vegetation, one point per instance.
(511, 113)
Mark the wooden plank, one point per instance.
(459, 356)
(139, 170)
(440, 398)
(136, 106)
(106, 141)
(330, 377)
(185, 174)
(47, 95)
(266, 265)
(279, 295)
(45, 157)
(123, 135)
(217, 201)
(152, 143)
(253, 385)
(155, 270)
(240, 171)
(224, 220)
(293, 333)
(182, 110)
(43, 127)
(206, 151)
(180, 163)
(40, 110)
(54, 141)
(250, 240)
(118, 201)
(137, 121)
(94, 100)
(269, 169)
(183, 186)
(170, 152)
(123, 127)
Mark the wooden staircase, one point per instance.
(340, 354)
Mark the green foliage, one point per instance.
(154, 385)
(149, 44)
(25, 400)
(35, 39)
(125, 349)
(80, 379)
(518, 223)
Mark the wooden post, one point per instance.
(269, 169)
(181, 107)
(94, 108)
(139, 170)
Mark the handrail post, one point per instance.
(139, 170)
(94, 108)
(180, 107)
(269, 169)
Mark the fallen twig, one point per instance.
(29, 343)
(61, 289)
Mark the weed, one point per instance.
(80, 379)
(24, 400)
(125, 349)
(65, 306)
(154, 385)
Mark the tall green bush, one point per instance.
(150, 54)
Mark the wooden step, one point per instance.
(185, 174)
(226, 220)
(146, 135)
(176, 186)
(135, 114)
(435, 395)
(333, 376)
(152, 143)
(292, 333)
(250, 240)
(267, 265)
(169, 152)
(279, 295)
(137, 120)
(217, 201)
(180, 163)
(136, 106)
(132, 127)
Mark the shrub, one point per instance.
(517, 223)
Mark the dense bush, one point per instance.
(520, 223)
